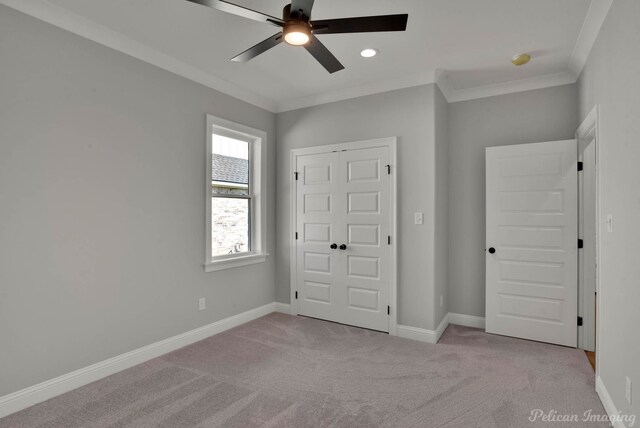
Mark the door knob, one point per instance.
(334, 246)
(343, 246)
(492, 250)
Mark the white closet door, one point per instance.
(318, 210)
(364, 228)
(343, 198)
(531, 238)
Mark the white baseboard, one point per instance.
(609, 407)
(422, 334)
(26, 397)
(283, 308)
(29, 396)
(466, 320)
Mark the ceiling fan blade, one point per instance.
(301, 5)
(261, 47)
(363, 24)
(323, 55)
(240, 11)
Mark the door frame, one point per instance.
(588, 133)
(391, 143)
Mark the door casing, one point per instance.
(588, 134)
(391, 143)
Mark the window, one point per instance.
(235, 202)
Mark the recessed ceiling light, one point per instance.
(369, 52)
(521, 59)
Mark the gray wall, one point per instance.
(102, 212)
(409, 115)
(611, 79)
(526, 117)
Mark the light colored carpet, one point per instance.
(284, 371)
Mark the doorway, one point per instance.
(343, 257)
(588, 225)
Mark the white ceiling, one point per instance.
(466, 44)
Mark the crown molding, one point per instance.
(63, 18)
(546, 81)
(443, 80)
(69, 21)
(409, 81)
(596, 14)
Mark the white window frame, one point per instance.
(257, 140)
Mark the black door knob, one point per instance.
(334, 246)
(492, 250)
(343, 246)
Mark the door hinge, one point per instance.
(296, 295)
(389, 239)
(580, 243)
(296, 236)
(388, 169)
(388, 310)
(296, 175)
(580, 166)
(579, 321)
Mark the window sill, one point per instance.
(235, 262)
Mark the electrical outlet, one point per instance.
(202, 304)
(627, 390)
(441, 300)
(419, 218)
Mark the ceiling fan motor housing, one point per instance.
(296, 29)
(287, 15)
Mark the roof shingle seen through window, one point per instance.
(229, 169)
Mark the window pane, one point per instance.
(229, 226)
(230, 166)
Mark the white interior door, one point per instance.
(317, 261)
(532, 241)
(343, 223)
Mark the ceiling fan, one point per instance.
(299, 30)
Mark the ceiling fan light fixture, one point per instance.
(297, 34)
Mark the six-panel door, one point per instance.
(343, 198)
